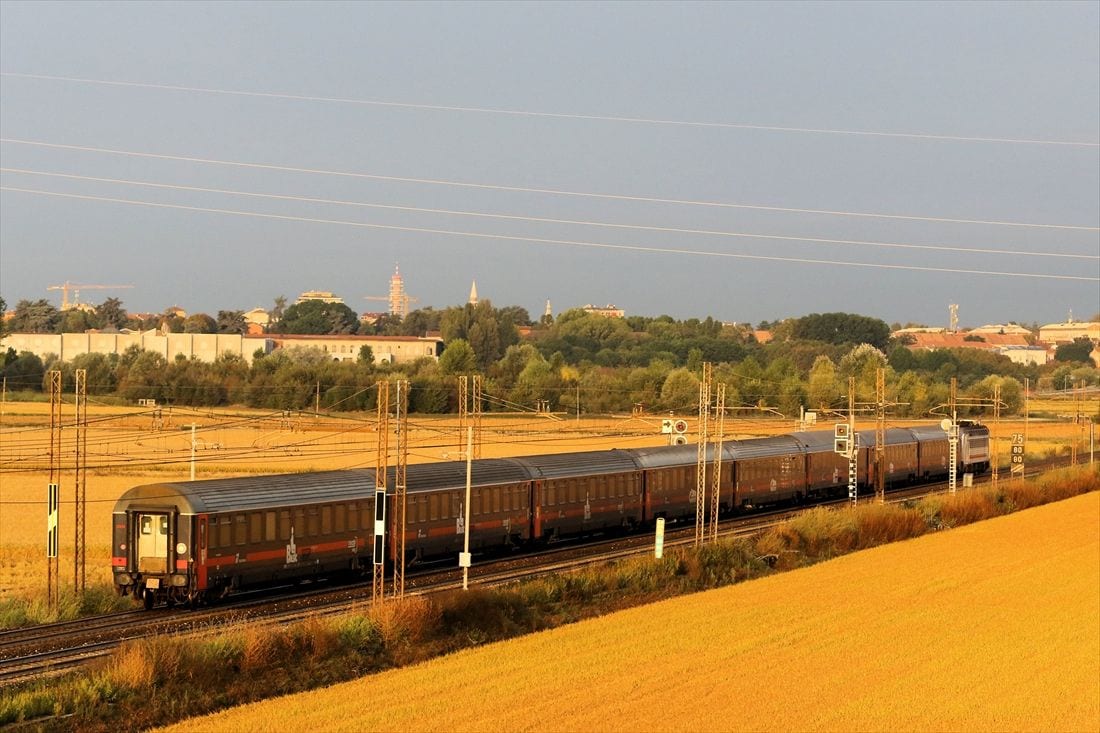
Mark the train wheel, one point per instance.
(148, 598)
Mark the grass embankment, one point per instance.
(255, 662)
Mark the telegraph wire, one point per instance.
(549, 191)
(554, 242)
(555, 115)
(547, 220)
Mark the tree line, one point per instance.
(577, 361)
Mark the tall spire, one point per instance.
(473, 293)
(549, 312)
(399, 302)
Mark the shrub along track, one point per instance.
(52, 649)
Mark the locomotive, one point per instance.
(194, 541)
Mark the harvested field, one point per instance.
(993, 626)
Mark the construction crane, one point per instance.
(66, 286)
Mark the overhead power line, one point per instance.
(555, 115)
(540, 240)
(526, 189)
(511, 217)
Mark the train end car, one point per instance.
(192, 541)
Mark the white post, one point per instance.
(464, 560)
(659, 544)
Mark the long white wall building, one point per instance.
(208, 346)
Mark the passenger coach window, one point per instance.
(255, 527)
(300, 528)
(224, 527)
(353, 516)
(326, 520)
(313, 520)
(284, 524)
(240, 531)
(340, 516)
(269, 527)
(496, 499)
(433, 507)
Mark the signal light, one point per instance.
(840, 430)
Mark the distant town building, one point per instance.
(322, 295)
(1025, 354)
(1064, 333)
(608, 311)
(1002, 328)
(929, 339)
(208, 346)
(258, 317)
(175, 311)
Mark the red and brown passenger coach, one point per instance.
(189, 541)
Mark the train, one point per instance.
(190, 542)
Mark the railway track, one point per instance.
(53, 649)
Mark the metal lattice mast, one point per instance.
(716, 473)
(463, 411)
(400, 505)
(953, 440)
(1076, 423)
(53, 569)
(853, 445)
(476, 411)
(995, 453)
(701, 456)
(378, 585)
(880, 436)
(79, 483)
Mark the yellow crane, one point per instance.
(66, 286)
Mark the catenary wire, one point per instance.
(555, 115)
(549, 191)
(547, 220)
(553, 242)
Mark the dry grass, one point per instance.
(993, 626)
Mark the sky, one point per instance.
(746, 161)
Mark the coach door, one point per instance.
(152, 543)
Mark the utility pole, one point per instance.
(53, 494)
(701, 455)
(953, 440)
(716, 472)
(464, 558)
(463, 409)
(400, 522)
(880, 436)
(853, 445)
(477, 400)
(192, 451)
(994, 451)
(381, 464)
(79, 481)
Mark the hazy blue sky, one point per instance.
(1007, 73)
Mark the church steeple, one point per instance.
(473, 293)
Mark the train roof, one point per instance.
(928, 432)
(252, 492)
(778, 445)
(452, 474)
(673, 455)
(894, 436)
(564, 465)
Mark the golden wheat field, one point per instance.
(127, 446)
(991, 627)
